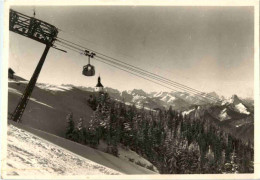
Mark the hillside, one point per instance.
(138, 134)
(45, 116)
(49, 105)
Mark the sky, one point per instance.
(206, 48)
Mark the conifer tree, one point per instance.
(70, 126)
(170, 119)
(209, 166)
(194, 158)
(79, 130)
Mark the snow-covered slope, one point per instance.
(129, 155)
(29, 155)
(32, 148)
(241, 108)
(14, 91)
(238, 105)
(51, 87)
(168, 98)
(187, 112)
(132, 156)
(223, 115)
(48, 105)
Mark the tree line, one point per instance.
(173, 142)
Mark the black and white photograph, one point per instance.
(130, 89)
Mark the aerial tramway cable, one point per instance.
(151, 76)
(197, 93)
(78, 50)
(132, 66)
(180, 86)
(175, 90)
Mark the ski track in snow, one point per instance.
(29, 155)
(12, 90)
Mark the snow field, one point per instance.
(29, 155)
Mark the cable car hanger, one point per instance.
(89, 70)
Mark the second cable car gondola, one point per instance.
(89, 70)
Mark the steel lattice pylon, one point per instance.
(37, 30)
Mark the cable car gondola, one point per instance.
(89, 70)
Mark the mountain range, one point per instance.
(51, 103)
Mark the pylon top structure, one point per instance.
(33, 28)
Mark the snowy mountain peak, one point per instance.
(213, 94)
(139, 92)
(234, 99)
(168, 98)
(236, 104)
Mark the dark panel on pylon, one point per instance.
(32, 28)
